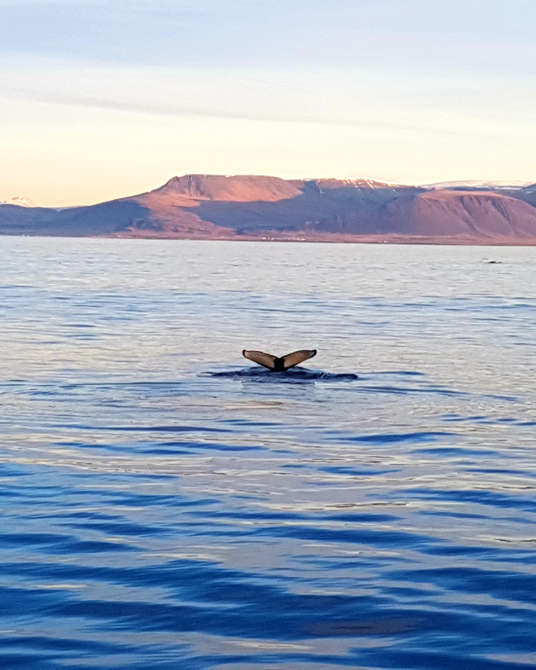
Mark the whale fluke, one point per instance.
(279, 364)
(261, 358)
(296, 357)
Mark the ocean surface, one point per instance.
(166, 504)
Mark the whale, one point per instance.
(279, 363)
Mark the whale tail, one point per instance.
(282, 363)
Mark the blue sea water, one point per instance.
(167, 505)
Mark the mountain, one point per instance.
(17, 200)
(528, 194)
(256, 207)
(475, 185)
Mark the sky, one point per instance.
(106, 98)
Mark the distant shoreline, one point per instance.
(332, 239)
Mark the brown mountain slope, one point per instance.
(249, 207)
(475, 215)
(240, 188)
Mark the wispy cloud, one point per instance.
(177, 110)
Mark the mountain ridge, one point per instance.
(198, 206)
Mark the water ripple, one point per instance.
(165, 507)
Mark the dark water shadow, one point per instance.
(387, 625)
(294, 375)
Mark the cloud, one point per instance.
(383, 125)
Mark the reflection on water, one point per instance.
(165, 505)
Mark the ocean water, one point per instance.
(165, 504)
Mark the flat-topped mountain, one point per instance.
(257, 207)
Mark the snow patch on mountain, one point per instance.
(475, 184)
(18, 200)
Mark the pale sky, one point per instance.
(106, 98)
